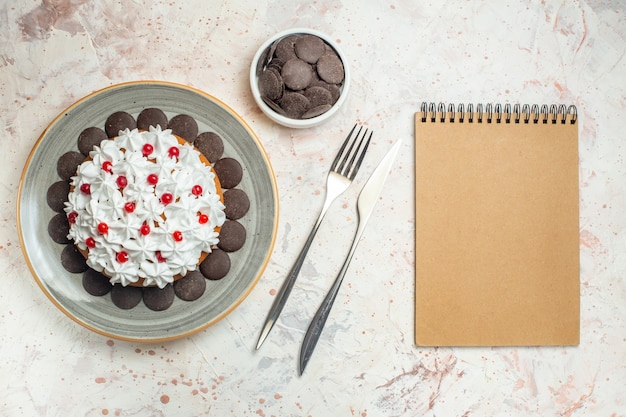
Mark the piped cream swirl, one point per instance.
(144, 207)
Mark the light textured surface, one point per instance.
(54, 52)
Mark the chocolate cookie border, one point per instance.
(212, 147)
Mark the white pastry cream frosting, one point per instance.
(144, 206)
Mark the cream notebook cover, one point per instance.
(497, 235)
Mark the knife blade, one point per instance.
(365, 206)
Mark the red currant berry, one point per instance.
(71, 217)
(85, 188)
(203, 219)
(178, 236)
(160, 257)
(129, 207)
(167, 198)
(153, 179)
(196, 190)
(147, 149)
(122, 257)
(107, 166)
(144, 229)
(103, 228)
(90, 242)
(173, 152)
(121, 181)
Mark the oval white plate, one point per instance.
(183, 318)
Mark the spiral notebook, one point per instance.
(496, 231)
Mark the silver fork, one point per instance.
(342, 171)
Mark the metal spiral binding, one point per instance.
(490, 113)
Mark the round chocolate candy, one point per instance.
(90, 137)
(294, 104)
(309, 48)
(151, 117)
(126, 297)
(67, 164)
(95, 283)
(216, 265)
(56, 196)
(330, 69)
(210, 144)
(118, 121)
(232, 236)
(158, 299)
(184, 126)
(297, 74)
(190, 287)
(236, 203)
(59, 228)
(285, 49)
(72, 260)
(229, 171)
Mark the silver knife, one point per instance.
(365, 205)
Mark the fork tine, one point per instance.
(343, 170)
(335, 163)
(356, 167)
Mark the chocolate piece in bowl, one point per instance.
(151, 117)
(309, 48)
(90, 137)
(285, 49)
(297, 74)
(330, 69)
(118, 121)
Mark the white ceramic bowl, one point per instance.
(282, 119)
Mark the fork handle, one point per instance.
(319, 320)
(285, 289)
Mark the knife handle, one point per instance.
(319, 320)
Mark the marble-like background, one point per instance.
(53, 52)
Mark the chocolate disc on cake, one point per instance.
(118, 121)
(67, 164)
(229, 171)
(151, 117)
(211, 145)
(232, 236)
(126, 297)
(158, 299)
(90, 137)
(95, 283)
(191, 287)
(58, 228)
(56, 196)
(216, 265)
(236, 203)
(184, 126)
(72, 260)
